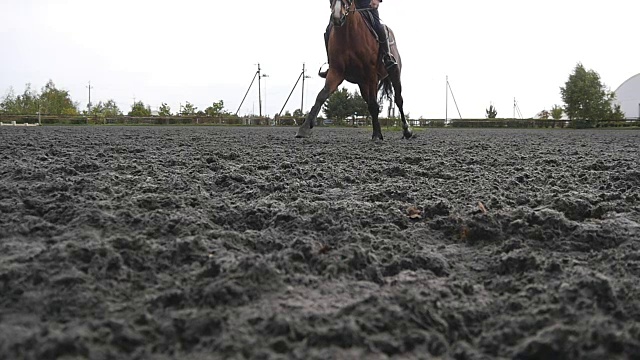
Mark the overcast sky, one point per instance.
(203, 51)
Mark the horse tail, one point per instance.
(386, 88)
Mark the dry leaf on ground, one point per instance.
(414, 213)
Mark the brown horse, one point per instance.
(354, 56)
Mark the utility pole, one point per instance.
(259, 91)
(304, 76)
(516, 109)
(301, 76)
(257, 74)
(89, 106)
(446, 101)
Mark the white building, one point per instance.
(628, 96)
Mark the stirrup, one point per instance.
(323, 74)
(389, 61)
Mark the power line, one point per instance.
(449, 90)
(301, 76)
(265, 76)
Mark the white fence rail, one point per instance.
(13, 123)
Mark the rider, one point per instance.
(372, 6)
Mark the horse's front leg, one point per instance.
(330, 86)
(369, 93)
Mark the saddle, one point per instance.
(368, 19)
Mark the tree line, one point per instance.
(53, 101)
(584, 95)
(216, 109)
(48, 101)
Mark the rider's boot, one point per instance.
(387, 57)
(323, 74)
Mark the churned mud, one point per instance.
(212, 242)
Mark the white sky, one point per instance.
(205, 51)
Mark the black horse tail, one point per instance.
(386, 88)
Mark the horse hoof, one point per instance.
(303, 133)
(408, 135)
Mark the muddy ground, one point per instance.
(213, 242)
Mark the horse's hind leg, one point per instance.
(330, 85)
(407, 132)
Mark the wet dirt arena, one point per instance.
(232, 242)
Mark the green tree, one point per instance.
(7, 106)
(188, 109)
(338, 106)
(491, 112)
(342, 105)
(57, 102)
(111, 108)
(298, 113)
(216, 109)
(617, 114)
(587, 98)
(139, 109)
(95, 109)
(544, 114)
(556, 112)
(358, 105)
(50, 101)
(29, 102)
(25, 104)
(108, 108)
(164, 110)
